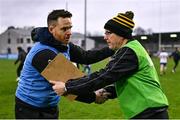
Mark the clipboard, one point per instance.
(61, 69)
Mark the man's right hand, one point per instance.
(101, 96)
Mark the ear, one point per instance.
(51, 28)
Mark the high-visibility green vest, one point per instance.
(141, 90)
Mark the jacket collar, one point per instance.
(45, 37)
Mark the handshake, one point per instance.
(101, 96)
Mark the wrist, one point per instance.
(65, 91)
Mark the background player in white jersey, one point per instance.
(163, 55)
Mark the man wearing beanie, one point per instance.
(131, 70)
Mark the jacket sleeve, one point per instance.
(81, 56)
(122, 64)
(111, 89)
(86, 98)
(41, 59)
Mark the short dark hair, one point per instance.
(55, 14)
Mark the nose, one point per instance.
(69, 32)
(105, 37)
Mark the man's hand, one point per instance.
(101, 96)
(58, 87)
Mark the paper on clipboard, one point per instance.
(61, 69)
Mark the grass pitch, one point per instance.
(110, 110)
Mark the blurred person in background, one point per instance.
(21, 58)
(176, 57)
(163, 56)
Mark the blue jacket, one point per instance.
(33, 88)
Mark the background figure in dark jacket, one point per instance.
(20, 59)
(176, 57)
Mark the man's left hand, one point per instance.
(58, 87)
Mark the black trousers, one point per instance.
(26, 111)
(153, 113)
(175, 64)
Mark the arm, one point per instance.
(18, 59)
(41, 59)
(123, 64)
(81, 56)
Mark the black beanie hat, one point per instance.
(122, 24)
